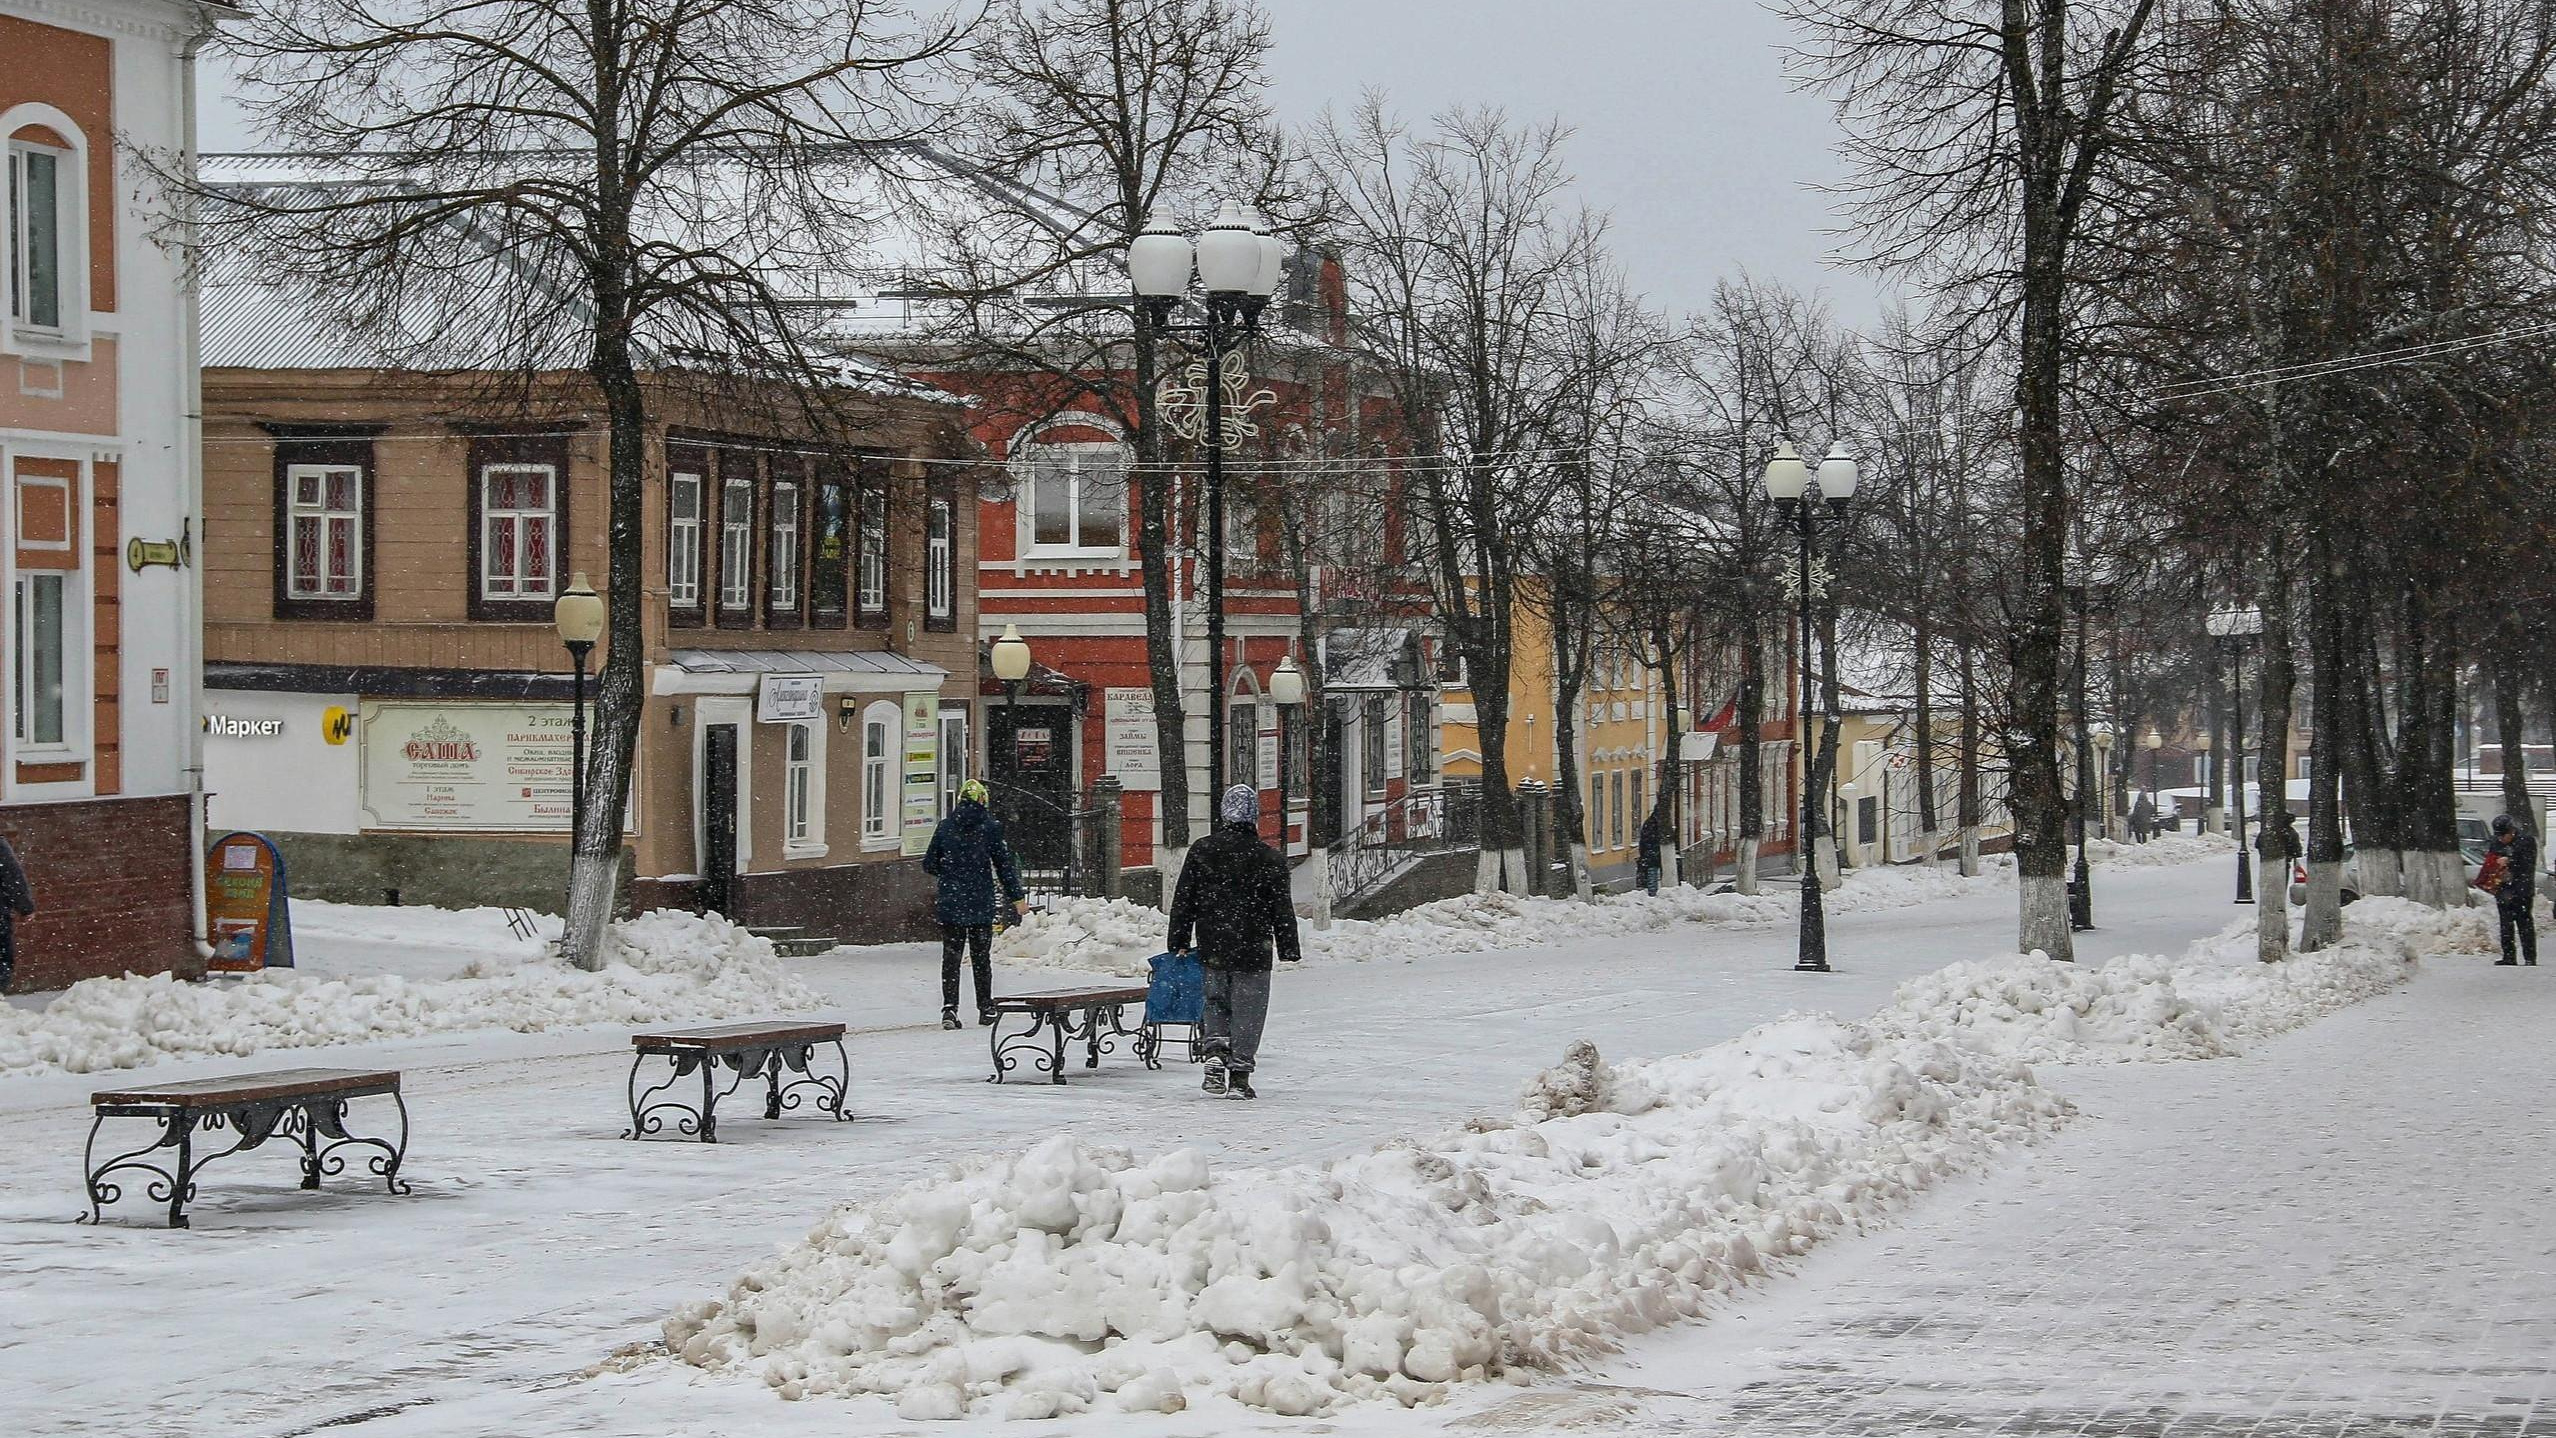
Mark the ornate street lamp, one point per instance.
(1788, 481)
(2152, 741)
(2234, 627)
(1236, 264)
(1011, 660)
(578, 615)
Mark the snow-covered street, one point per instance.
(538, 1243)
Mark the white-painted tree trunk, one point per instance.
(2271, 908)
(1824, 854)
(1486, 871)
(2214, 819)
(2322, 926)
(1583, 887)
(1670, 864)
(1744, 878)
(1515, 873)
(592, 881)
(1324, 899)
(2382, 872)
(2042, 917)
(1927, 843)
(1970, 851)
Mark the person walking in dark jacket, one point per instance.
(2518, 849)
(17, 900)
(968, 857)
(1646, 854)
(1232, 898)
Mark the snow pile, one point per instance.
(1119, 937)
(2213, 1001)
(2162, 849)
(1074, 1278)
(2425, 929)
(661, 967)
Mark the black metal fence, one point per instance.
(1390, 838)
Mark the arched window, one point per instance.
(879, 797)
(44, 232)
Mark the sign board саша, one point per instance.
(485, 767)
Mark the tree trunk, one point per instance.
(1569, 674)
(2322, 927)
(594, 872)
(1162, 638)
(2509, 728)
(1928, 820)
(1669, 796)
(2040, 802)
(2279, 679)
(1966, 796)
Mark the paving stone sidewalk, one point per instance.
(2346, 1232)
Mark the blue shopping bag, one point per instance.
(1177, 993)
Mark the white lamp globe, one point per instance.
(1786, 475)
(1229, 253)
(1837, 474)
(1273, 258)
(1011, 656)
(1158, 261)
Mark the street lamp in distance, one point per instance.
(578, 615)
(1011, 659)
(1287, 688)
(1788, 481)
(2233, 626)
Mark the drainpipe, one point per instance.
(190, 671)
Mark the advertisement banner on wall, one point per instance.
(246, 916)
(922, 770)
(479, 767)
(1133, 752)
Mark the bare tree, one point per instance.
(1981, 134)
(601, 188)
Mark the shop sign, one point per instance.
(790, 698)
(246, 914)
(922, 770)
(231, 726)
(1131, 743)
(479, 767)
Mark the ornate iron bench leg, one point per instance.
(842, 1089)
(310, 1150)
(1056, 1067)
(1149, 1044)
(709, 1100)
(1092, 1027)
(327, 1117)
(182, 1184)
(772, 1092)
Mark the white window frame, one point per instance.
(295, 511)
(78, 623)
(1082, 456)
(882, 790)
(683, 540)
(955, 757)
(871, 499)
(783, 563)
(22, 741)
(736, 545)
(803, 790)
(68, 340)
(490, 517)
(940, 557)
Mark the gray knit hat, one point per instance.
(1241, 805)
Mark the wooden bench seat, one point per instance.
(305, 1107)
(765, 1049)
(1094, 1016)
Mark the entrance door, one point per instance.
(1030, 756)
(718, 817)
(1338, 769)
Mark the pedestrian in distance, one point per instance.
(1233, 902)
(969, 859)
(17, 900)
(2143, 819)
(1646, 855)
(2517, 848)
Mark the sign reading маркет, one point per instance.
(490, 767)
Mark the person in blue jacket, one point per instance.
(969, 857)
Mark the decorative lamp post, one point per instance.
(579, 617)
(1788, 481)
(2209, 773)
(1287, 689)
(1011, 657)
(2234, 627)
(2152, 741)
(1236, 264)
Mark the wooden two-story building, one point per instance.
(389, 698)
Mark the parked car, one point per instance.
(2473, 834)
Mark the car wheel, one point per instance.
(2351, 897)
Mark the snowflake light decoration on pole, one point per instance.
(1183, 398)
(1818, 582)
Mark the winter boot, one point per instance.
(1238, 1086)
(2506, 962)
(950, 1019)
(1215, 1083)
(985, 1017)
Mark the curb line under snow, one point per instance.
(1075, 1278)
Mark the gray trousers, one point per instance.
(1237, 1008)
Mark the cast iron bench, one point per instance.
(748, 1050)
(1096, 1017)
(301, 1106)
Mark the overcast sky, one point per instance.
(1685, 127)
